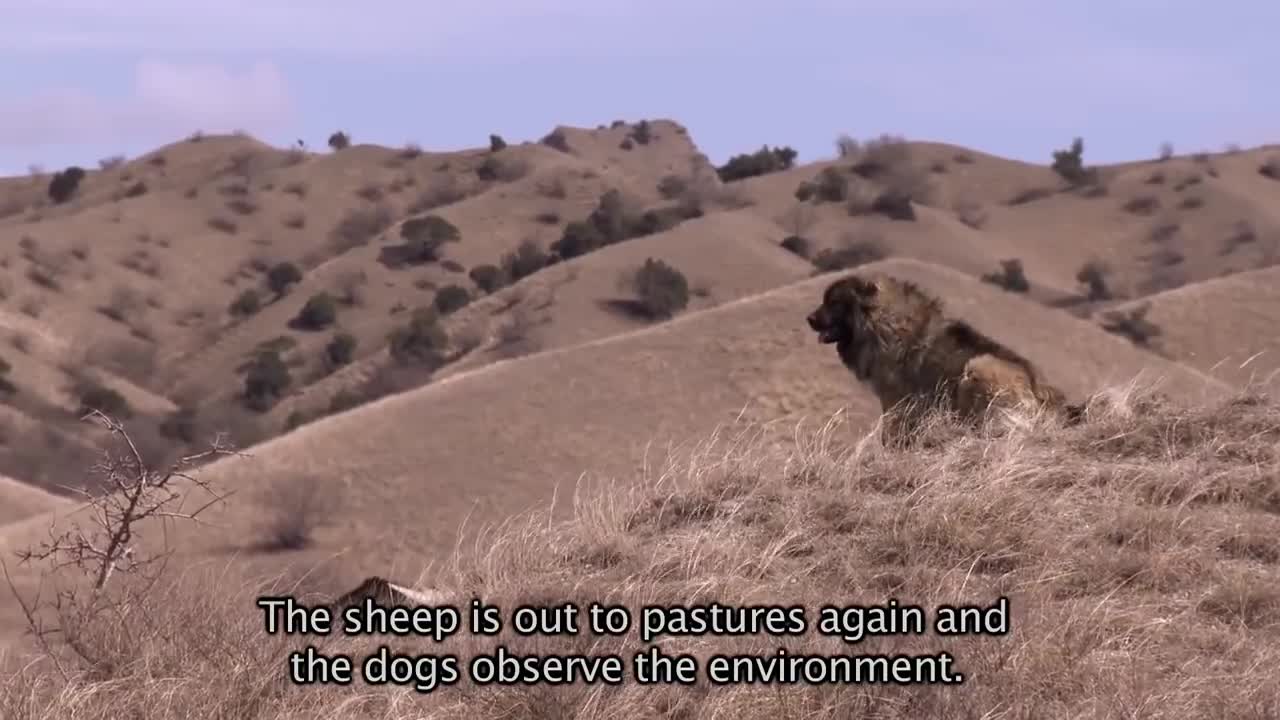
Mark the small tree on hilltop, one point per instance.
(64, 184)
(339, 141)
(1069, 164)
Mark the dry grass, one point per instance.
(1139, 554)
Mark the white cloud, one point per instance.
(168, 100)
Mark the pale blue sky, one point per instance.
(85, 79)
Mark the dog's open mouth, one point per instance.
(831, 335)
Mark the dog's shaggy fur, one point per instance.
(894, 336)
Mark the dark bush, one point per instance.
(430, 226)
(1094, 275)
(578, 238)
(524, 261)
(852, 252)
(762, 162)
(556, 139)
(63, 185)
(1132, 324)
(181, 425)
(265, 381)
(421, 341)
(340, 350)
(487, 277)
(496, 143)
(319, 312)
(894, 205)
(671, 187)
(451, 298)
(339, 141)
(661, 289)
(796, 244)
(246, 303)
(1010, 277)
(1069, 164)
(831, 185)
(94, 396)
(282, 276)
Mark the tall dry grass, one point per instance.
(1140, 552)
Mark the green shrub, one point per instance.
(451, 298)
(246, 303)
(266, 381)
(488, 278)
(319, 313)
(661, 289)
(63, 185)
(762, 162)
(340, 350)
(421, 341)
(282, 276)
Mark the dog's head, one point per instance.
(842, 319)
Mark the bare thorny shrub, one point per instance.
(78, 565)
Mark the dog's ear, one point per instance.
(864, 289)
(851, 290)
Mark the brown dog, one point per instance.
(894, 336)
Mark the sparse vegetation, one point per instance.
(1132, 324)
(527, 259)
(339, 351)
(63, 185)
(855, 249)
(761, 162)
(661, 290)
(359, 226)
(283, 276)
(319, 312)
(1069, 164)
(1093, 274)
(1164, 537)
(488, 278)
(1143, 205)
(1270, 168)
(1029, 195)
(451, 298)
(94, 396)
(556, 139)
(265, 381)
(298, 508)
(422, 341)
(1011, 276)
(339, 141)
(797, 245)
(224, 225)
(970, 213)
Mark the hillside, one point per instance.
(415, 348)
(401, 477)
(1225, 327)
(154, 283)
(1131, 579)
